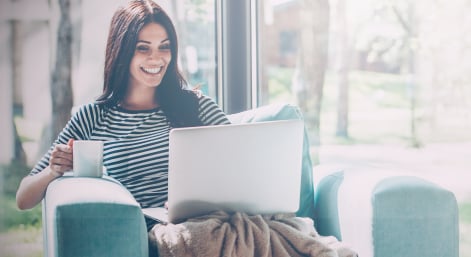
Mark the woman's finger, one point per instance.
(71, 143)
(61, 161)
(59, 152)
(64, 148)
(63, 155)
(61, 168)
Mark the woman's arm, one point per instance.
(211, 113)
(58, 159)
(32, 188)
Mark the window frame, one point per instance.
(237, 55)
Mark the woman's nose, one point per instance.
(156, 55)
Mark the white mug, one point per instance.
(88, 158)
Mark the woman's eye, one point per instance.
(164, 47)
(142, 48)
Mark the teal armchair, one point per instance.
(390, 216)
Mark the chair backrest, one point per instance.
(286, 112)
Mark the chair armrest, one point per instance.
(92, 217)
(381, 214)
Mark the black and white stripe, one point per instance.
(135, 145)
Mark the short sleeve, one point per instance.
(211, 113)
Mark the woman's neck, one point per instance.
(139, 101)
(138, 106)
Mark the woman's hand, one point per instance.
(61, 159)
(32, 188)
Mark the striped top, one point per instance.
(136, 144)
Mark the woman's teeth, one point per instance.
(152, 70)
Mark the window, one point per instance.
(278, 29)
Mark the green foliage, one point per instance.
(382, 89)
(279, 84)
(368, 92)
(465, 212)
(11, 217)
(378, 109)
(12, 175)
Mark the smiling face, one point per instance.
(151, 57)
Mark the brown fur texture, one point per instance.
(239, 234)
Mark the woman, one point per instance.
(144, 97)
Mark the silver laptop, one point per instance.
(253, 168)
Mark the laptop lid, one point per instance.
(253, 168)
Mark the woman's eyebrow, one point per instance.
(148, 42)
(143, 41)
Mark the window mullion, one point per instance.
(234, 54)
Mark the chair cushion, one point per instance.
(286, 112)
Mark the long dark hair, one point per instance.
(179, 104)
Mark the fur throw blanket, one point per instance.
(239, 234)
